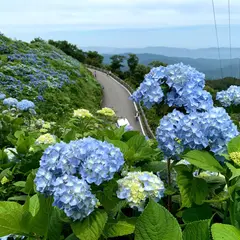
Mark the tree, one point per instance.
(70, 49)
(139, 73)
(94, 58)
(116, 63)
(156, 63)
(132, 62)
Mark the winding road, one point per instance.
(116, 96)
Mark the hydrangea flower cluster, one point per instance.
(185, 88)
(25, 105)
(93, 160)
(82, 113)
(213, 129)
(100, 160)
(74, 196)
(150, 91)
(10, 102)
(10, 154)
(46, 139)
(235, 157)
(107, 112)
(229, 97)
(2, 96)
(136, 187)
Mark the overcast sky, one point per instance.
(137, 22)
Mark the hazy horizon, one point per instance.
(122, 23)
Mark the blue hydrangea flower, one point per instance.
(166, 133)
(74, 197)
(136, 187)
(150, 91)
(2, 96)
(25, 105)
(185, 88)
(51, 167)
(10, 102)
(99, 160)
(212, 129)
(229, 97)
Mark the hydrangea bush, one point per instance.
(229, 97)
(94, 161)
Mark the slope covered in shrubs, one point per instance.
(39, 72)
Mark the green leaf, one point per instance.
(118, 133)
(234, 209)
(24, 143)
(144, 153)
(224, 232)
(156, 223)
(197, 231)
(155, 166)
(55, 225)
(40, 209)
(234, 145)
(203, 160)
(235, 171)
(127, 135)
(18, 198)
(197, 213)
(3, 157)
(29, 187)
(192, 189)
(72, 237)
(71, 135)
(119, 144)
(20, 184)
(10, 218)
(120, 228)
(137, 142)
(92, 227)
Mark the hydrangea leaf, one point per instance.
(38, 212)
(234, 208)
(120, 228)
(235, 171)
(225, 232)
(203, 160)
(197, 213)
(157, 223)
(192, 189)
(92, 227)
(137, 142)
(234, 145)
(10, 218)
(198, 230)
(119, 144)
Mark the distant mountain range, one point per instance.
(205, 60)
(211, 67)
(209, 53)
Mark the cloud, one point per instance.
(107, 14)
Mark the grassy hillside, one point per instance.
(39, 72)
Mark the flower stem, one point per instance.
(169, 184)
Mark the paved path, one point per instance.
(117, 98)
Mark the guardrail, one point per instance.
(131, 90)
